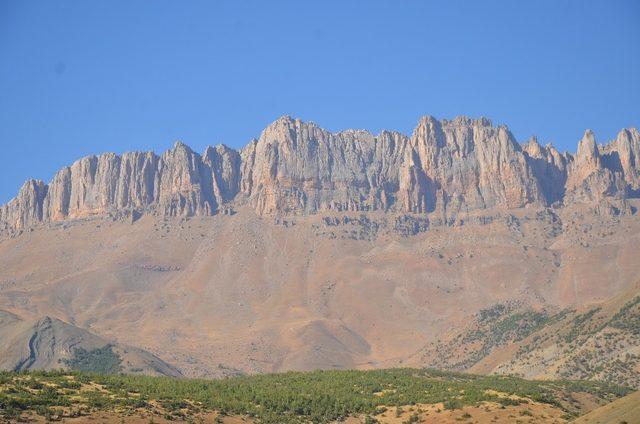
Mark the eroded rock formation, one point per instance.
(446, 167)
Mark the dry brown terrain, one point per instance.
(624, 410)
(427, 414)
(213, 294)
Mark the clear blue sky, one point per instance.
(83, 77)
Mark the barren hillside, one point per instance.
(309, 249)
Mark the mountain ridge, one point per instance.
(446, 167)
(315, 250)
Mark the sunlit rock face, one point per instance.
(447, 167)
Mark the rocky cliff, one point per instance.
(445, 167)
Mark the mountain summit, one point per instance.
(447, 167)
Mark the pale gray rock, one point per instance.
(56, 207)
(549, 167)
(622, 155)
(446, 168)
(185, 183)
(138, 182)
(26, 208)
(224, 164)
(589, 179)
(298, 167)
(473, 165)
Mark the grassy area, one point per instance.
(319, 396)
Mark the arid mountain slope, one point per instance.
(309, 249)
(211, 294)
(49, 343)
(598, 341)
(624, 410)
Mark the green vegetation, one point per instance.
(628, 317)
(498, 326)
(320, 396)
(102, 360)
(493, 313)
(579, 323)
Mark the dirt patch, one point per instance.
(486, 412)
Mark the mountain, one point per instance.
(447, 167)
(308, 249)
(49, 344)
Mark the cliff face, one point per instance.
(27, 207)
(446, 167)
(549, 167)
(469, 164)
(612, 170)
(296, 166)
(99, 184)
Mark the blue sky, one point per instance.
(83, 77)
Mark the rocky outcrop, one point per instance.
(101, 184)
(185, 183)
(473, 165)
(224, 165)
(549, 168)
(462, 164)
(623, 156)
(590, 176)
(26, 207)
(298, 167)
(447, 167)
(179, 183)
